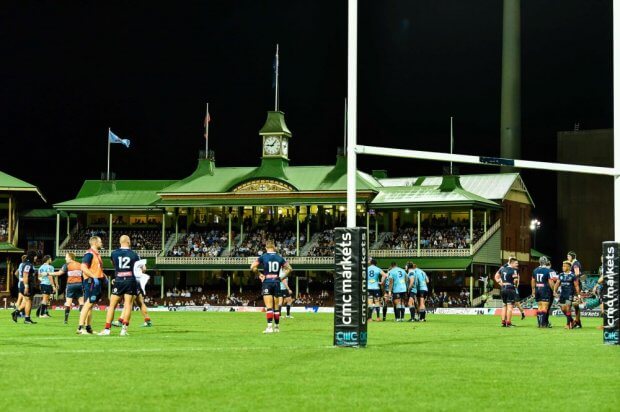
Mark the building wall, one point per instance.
(516, 235)
(585, 202)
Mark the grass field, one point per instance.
(222, 361)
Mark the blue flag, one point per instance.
(115, 139)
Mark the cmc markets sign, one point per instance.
(350, 289)
(611, 293)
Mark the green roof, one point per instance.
(275, 124)
(536, 254)
(429, 197)
(12, 184)
(116, 195)
(428, 264)
(6, 247)
(44, 213)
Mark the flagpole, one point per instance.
(345, 125)
(109, 129)
(207, 133)
(451, 141)
(277, 73)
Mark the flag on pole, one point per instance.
(112, 138)
(206, 124)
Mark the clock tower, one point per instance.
(276, 136)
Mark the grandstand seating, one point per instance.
(4, 233)
(141, 239)
(205, 244)
(454, 236)
(254, 241)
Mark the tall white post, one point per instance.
(419, 232)
(352, 114)
(110, 236)
(108, 174)
(616, 94)
(57, 232)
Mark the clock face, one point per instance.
(285, 147)
(271, 145)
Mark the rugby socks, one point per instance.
(67, 312)
(43, 309)
(288, 310)
(276, 316)
(384, 312)
(412, 312)
(539, 318)
(39, 310)
(108, 325)
(269, 316)
(147, 319)
(423, 314)
(370, 310)
(569, 318)
(378, 310)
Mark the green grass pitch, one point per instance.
(222, 361)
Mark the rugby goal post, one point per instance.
(610, 249)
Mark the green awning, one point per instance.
(535, 254)
(107, 263)
(6, 247)
(428, 264)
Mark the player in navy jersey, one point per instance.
(125, 285)
(375, 277)
(387, 287)
(410, 267)
(570, 288)
(26, 287)
(271, 263)
(17, 312)
(542, 290)
(508, 277)
(575, 267)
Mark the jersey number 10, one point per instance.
(274, 267)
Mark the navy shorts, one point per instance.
(399, 295)
(74, 290)
(47, 289)
(422, 293)
(509, 295)
(270, 288)
(125, 287)
(374, 293)
(30, 290)
(542, 295)
(283, 293)
(566, 299)
(92, 290)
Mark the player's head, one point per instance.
(544, 261)
(47, 259)
(25, 257)
(270, 246)
(125, 241)
(411, 265)
(31, 255)
(571, 256)
(95, 242)
(566, 265)
(393, 264)
(373, 261)
(513, 262)
(69, 257)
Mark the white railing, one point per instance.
(106, 252)
(490, 232)
(423, 253)
(176, 260)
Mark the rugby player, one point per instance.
(507, 277)
(16, 311)
(570, 287)
(398, 281)
(386, 295)
(518, 300)
(542, 287)
(285, 294)
(141, 293)
(92, 271)
(74, 289)
(47, 284)
(271, 263)
(125, 285)
(26, 288)
(576, 269)
(413, 292)
(375, 277)
(421, 286)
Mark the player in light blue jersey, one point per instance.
(285, 295)
(375, 277)
(421, 286)
(413, 301)
(47, 283)
(398, 281)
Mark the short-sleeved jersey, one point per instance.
(27, 270)
(567, 281)
(44, 271)
(508, 275)
(420, 280)
(411, 278)
(398, 280)
(387, 284)
(373, 277)
(576, 265)
(271, 263)
(124, 260)
(541, 277)
(73, 270)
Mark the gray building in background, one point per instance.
(585, 202)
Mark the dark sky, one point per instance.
(72, 69)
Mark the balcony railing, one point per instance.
(106, 252)
(227, 260)
(423, 253)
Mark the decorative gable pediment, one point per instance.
(263, 186)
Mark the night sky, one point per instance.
(72, 69)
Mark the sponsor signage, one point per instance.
(350, 289)
(611, 293)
